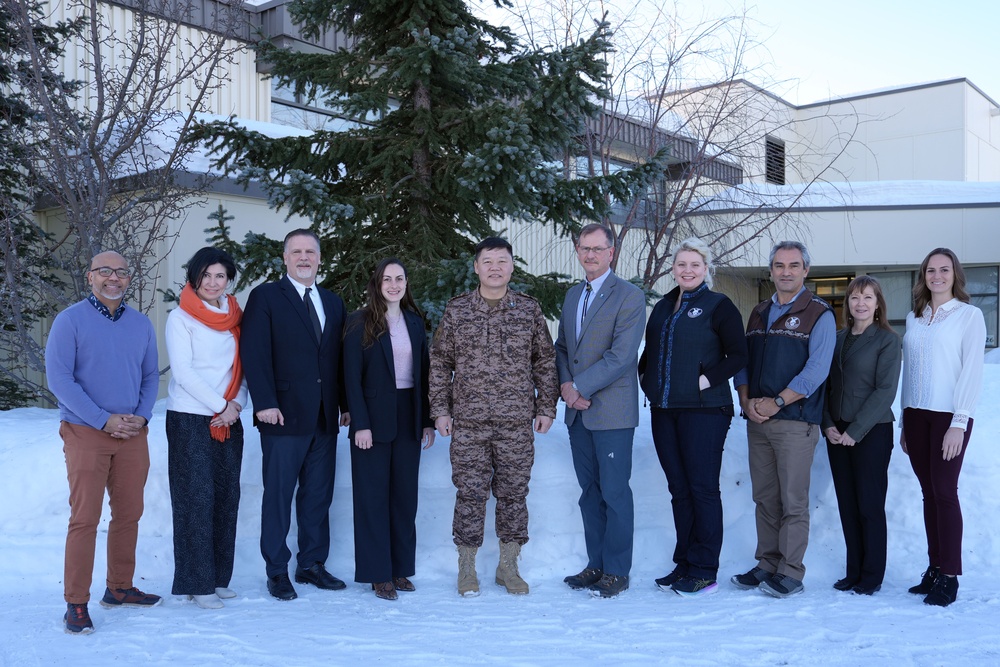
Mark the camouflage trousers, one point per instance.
(495, 455)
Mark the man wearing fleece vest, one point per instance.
(101, 364)
(790, 338)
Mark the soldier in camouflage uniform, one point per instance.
(492, 379)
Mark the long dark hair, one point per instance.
(373, 313)
(921, 293)
(858, 285)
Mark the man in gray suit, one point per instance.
(596, 355)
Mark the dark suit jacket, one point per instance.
(370, 380)
(861, 388)
(285, 366)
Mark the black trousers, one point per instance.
(204, 478)
(689, 444)
(860, 478)
(309, 461)
(385, 501)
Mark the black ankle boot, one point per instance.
(944, 592)
(926, 581)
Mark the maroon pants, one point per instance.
(938, 479)
(95, 461)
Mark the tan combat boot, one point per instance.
(507, 574)
(468, 584)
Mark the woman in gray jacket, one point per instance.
(857, 423)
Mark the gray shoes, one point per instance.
(776, 585)
(750, 580)
(782, 586)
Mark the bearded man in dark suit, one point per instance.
(290, 349)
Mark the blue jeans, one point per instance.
(603, 464)
(689, 445)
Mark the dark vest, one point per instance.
(780, 353)
(678, 346)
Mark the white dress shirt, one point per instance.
(314, 297)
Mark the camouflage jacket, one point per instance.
(493, 363)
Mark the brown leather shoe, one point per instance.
(403, 585)
(385, 590)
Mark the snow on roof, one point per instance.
(868, 194)
(162, 137)
(200, 160)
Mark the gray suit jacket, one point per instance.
(603, 362)
(861, 387)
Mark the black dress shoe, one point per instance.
(585, 579)
(280, 587)
(318, 577)
(846, 584)
(865, 589)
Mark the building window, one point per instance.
(897, 288)
(982, 285)
(774, 161)
(287, 108)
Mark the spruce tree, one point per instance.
(28, 279)
(455, 128)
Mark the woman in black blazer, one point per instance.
(385, 376)
(857, 423)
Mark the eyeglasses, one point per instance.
(586, 250)
(106, 271)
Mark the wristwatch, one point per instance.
(779, 401)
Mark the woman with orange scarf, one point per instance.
(204, 432)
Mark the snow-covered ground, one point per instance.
(553, 625)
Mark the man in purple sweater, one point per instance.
(101, 364)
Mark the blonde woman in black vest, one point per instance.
(694, 345)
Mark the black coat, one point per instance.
(285, 366)
(370, 380)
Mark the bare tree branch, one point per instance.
(104, 157)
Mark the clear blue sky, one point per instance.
(816, 49)
(837, 48)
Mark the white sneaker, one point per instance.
(225, 593)
(211, 601)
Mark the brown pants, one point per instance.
(781, 455)
(95, 461)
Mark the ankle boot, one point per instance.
(944, 592)
(507, 574)
(927, 580)
(468, 584)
